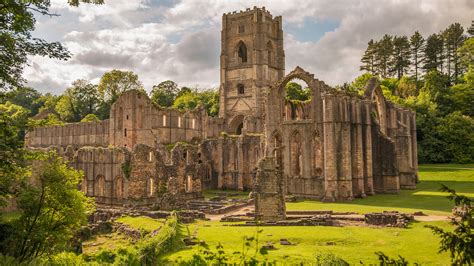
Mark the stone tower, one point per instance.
(252, 58)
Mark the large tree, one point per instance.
(416, 46)
(16, 41)
(165, 93)
(433, 53)
(384, 50)
(78, 101)
(115, 82)
(401, 56)
(368, 59)
(453, 38)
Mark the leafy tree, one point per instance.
(470, 30)
(368, 59)
(165, 93)
(78, 101)
(433, 53)
(359, 83)
(50, 120)
(294, 92)
(52, 209)
(209, 99)
(466, 53)
(406, 87)
(90, 118)
(187, 101)
(28, 98)
(416, 43)
(115, 82)
(461, 96)
(401, 56)
(16, 42)
(460, 242)
(456, 131)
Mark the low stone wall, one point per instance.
(391, 219)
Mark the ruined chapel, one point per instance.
(334, 147)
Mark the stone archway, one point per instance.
(373, 91)
(236, 125)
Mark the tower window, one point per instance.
(125, 132)
(241, 29)
(240, 88)
(242, 52)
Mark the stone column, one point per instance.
(330, 151)
(357, 150)
(345, 181)
(220, 163)
(367, 148)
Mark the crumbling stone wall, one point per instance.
(269, 197)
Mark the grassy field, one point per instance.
(426, 197)
(355, 244)
(141, 222)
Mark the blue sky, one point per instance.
(180, 39)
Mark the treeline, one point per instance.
(415, 55)
(434, 77)
(86, 102)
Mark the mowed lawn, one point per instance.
(426, 197)
(354, 244)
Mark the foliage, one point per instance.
(328, 259)
(294, 92)
(460, 242)
(385, 260)
(52, 209)
(188, 99)
(90, 118)
(165, 93)
(77, 101)
(115, 82)
(25, 97)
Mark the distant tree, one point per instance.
(461, 96)
(384, 51)
(294, 92)
(368, 59)
(187, 101)
(115, 82)
(78, 101)
(165, 93)
(433, 53)
(26, 97)
(359, 83)
(459, 243)
(209, 99)
(466, 53)
(416, 46)
(90, 118)
(453, 39)
(401, 56)
(16, 41)
(471, 29)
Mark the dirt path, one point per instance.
(432, 218)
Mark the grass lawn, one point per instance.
(353, 244)
(426, 197)
(141, 222)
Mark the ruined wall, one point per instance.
(269, 196)
(75, 134)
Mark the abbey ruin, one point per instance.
(335, 147)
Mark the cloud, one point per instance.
(180, 40)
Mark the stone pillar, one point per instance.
(345, 167)
(357, 150)
(220, 163)
(414, 144)
(330, 151)
(240, 161)
(269, 197)
(367, 148)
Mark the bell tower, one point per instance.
(252, 58)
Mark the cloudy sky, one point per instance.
(179, 39)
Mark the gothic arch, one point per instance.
(118, 185)
(99, 186)
(241, 52)
(297, 73)
(276, 147)
(317, 153)
(373, 91)
(236, 124)
(296, 154)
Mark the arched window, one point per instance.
(125, 132)
(242, 52)
(240, 88)
(99, 189)
(119, 187)
(270, 53)
(188, 185)
(84, 185)
(151, 187)
(296, 154)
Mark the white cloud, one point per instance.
(181, 41)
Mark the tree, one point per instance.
(52, 209)
(460, 242)
(210, 101)
(401, 56)
(433, 53)
(294, 92)
(115, 82)
(471, 29)
(416, 43)
(384, 50)
(187, 101)
(368, 59)
(28, 98)
(165, 93)
(453, 39)
(16, 42)
(76, 102)
(466, 53)
(461, 96)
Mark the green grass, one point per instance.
(104, 242)
(426, 197)
(6, 217)
(353, 244)
(141, 222)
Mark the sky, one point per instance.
(179, 40)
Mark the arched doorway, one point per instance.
(236, 125)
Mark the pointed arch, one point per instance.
(118, 185)
(373, 91)
(99, 186)
(317, 152)
(241, 52)
(276, 149)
